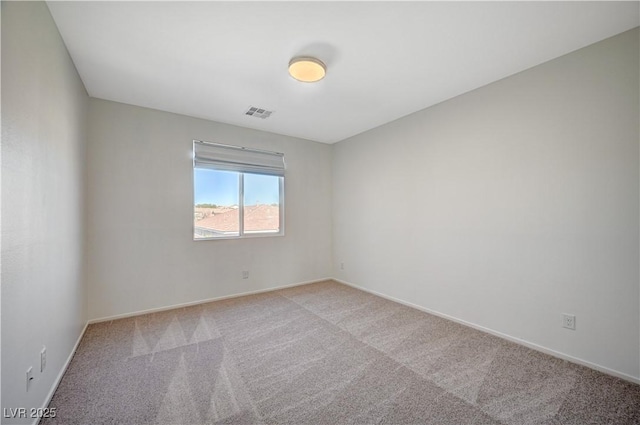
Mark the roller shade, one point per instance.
(235, 158)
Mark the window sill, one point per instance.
(249, 236)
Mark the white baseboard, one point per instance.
(54, 387)
(519, 341)
(192, 303)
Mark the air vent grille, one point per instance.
(258, 112)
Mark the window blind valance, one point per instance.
(235, 158)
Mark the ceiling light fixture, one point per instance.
(307, 69)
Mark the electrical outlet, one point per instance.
(29, 377)
(569, 321)
(245, 274)
(43, 358)
(341, 266)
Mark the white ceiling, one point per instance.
(385, 59)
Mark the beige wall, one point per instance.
(141, 253)
(508, 206)
(44, 106)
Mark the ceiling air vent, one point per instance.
(258, 112)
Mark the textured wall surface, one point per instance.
(508, 206)
(44, 117)
(141, 252)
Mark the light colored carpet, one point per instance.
(323, 353)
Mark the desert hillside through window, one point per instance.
(218, 212)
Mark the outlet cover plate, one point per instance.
(29, 378)
(569, 321)
(43, 359)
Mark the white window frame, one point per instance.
(241, 233)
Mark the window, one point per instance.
(238, 192)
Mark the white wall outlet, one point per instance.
(29, 377)
(341, 266)
(43, 358)
(245, 274)
(569, 321)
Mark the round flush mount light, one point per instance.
(307, 69)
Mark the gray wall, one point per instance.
(44, 106)
(141, 253)
(508, 206)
